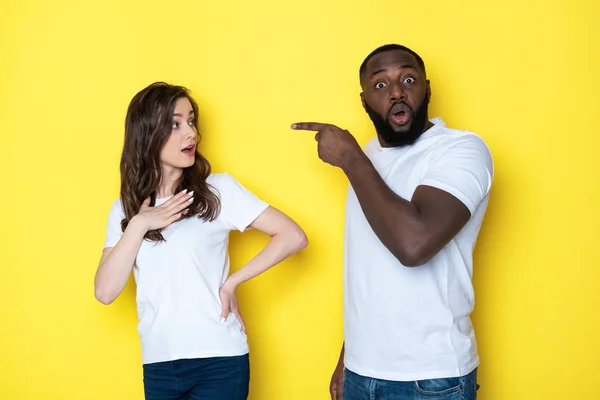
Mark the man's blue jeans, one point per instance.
(357, 387)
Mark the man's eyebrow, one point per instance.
(404, 66)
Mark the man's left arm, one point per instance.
(414, 230)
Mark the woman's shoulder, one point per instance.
(116, 206)
(220, 179)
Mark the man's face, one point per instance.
(396, 97)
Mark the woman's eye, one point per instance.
(175, 125)
(191, 122)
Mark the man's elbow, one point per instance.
(413, 255)
(413, 261)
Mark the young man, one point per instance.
(417, 198)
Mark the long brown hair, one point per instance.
(147, 128)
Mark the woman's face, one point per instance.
(180, 149)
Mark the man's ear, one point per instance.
(362, 100)
(428, 90)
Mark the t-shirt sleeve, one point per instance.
(464, 168)
(113, 228)
(239, 206)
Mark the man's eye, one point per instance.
(409, 80)
(380, 85)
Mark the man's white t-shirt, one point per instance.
(178, 280)
(412, 323)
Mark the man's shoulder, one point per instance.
(456, 140)
(450, 136)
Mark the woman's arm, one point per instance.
(287, 238)
(117, 262)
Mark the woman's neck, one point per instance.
(167, 186)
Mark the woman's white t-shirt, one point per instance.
(178, 280)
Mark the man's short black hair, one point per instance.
(389, 47)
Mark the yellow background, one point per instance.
(522, 74)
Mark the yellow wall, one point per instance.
(523, 74)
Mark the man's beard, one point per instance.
(403, 138)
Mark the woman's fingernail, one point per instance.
(184, 190)
(191, 199)
(222, 319)
(191, 193)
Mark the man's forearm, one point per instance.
(395, 221)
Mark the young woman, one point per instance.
(171, 227)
